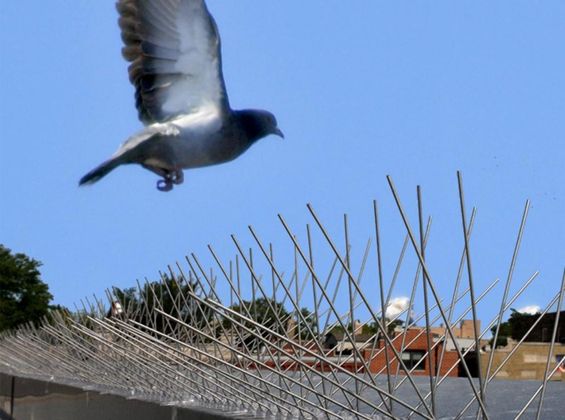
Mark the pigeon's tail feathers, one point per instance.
(100, 172)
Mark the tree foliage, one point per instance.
(504, 332)
(519, 323)
(516, 327)
(262, 311)
(307, 325)
(170, 297)
(23, 296)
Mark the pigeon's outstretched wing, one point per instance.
(174, 50)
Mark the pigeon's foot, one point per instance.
(170, 179)
(164, 185)
(177, 177)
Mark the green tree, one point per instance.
(23, 296)
(520, 323)
(516, 327)
(372, 327)
(170, 296)
(504, 332)
(262, 311)
(307, 325)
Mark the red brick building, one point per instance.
(340, 353)
(416, 346)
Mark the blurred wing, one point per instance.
(174, 50)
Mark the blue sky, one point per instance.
(417, 90)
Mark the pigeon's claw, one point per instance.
(170, 179)
(164, 185)
(177, 177)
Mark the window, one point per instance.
(411, 357)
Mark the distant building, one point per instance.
(528, 361)
(464, 330)
(414, 354)
(371, 353)
(544, 329)
(362, 351)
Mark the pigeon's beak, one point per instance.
(279, 133)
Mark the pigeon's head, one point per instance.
(258, 124)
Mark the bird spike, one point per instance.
(249, 339)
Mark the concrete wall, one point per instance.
(40, 400)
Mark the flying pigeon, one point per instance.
(176, 68)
